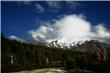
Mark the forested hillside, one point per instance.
(90, 55)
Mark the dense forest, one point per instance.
(90, 55)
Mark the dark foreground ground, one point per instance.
(55, 70)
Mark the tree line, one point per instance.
(17, 56)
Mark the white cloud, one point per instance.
(70, 28)
(53, 4)
(39, 7)
(102, 31)
(43, 33)
(16, 38)
(26, 2)
(72, 4)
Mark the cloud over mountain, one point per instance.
(70, 28)
(12, 37)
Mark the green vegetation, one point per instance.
(16, 56)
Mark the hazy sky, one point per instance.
(65, 21)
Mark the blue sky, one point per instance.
(21, 18)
